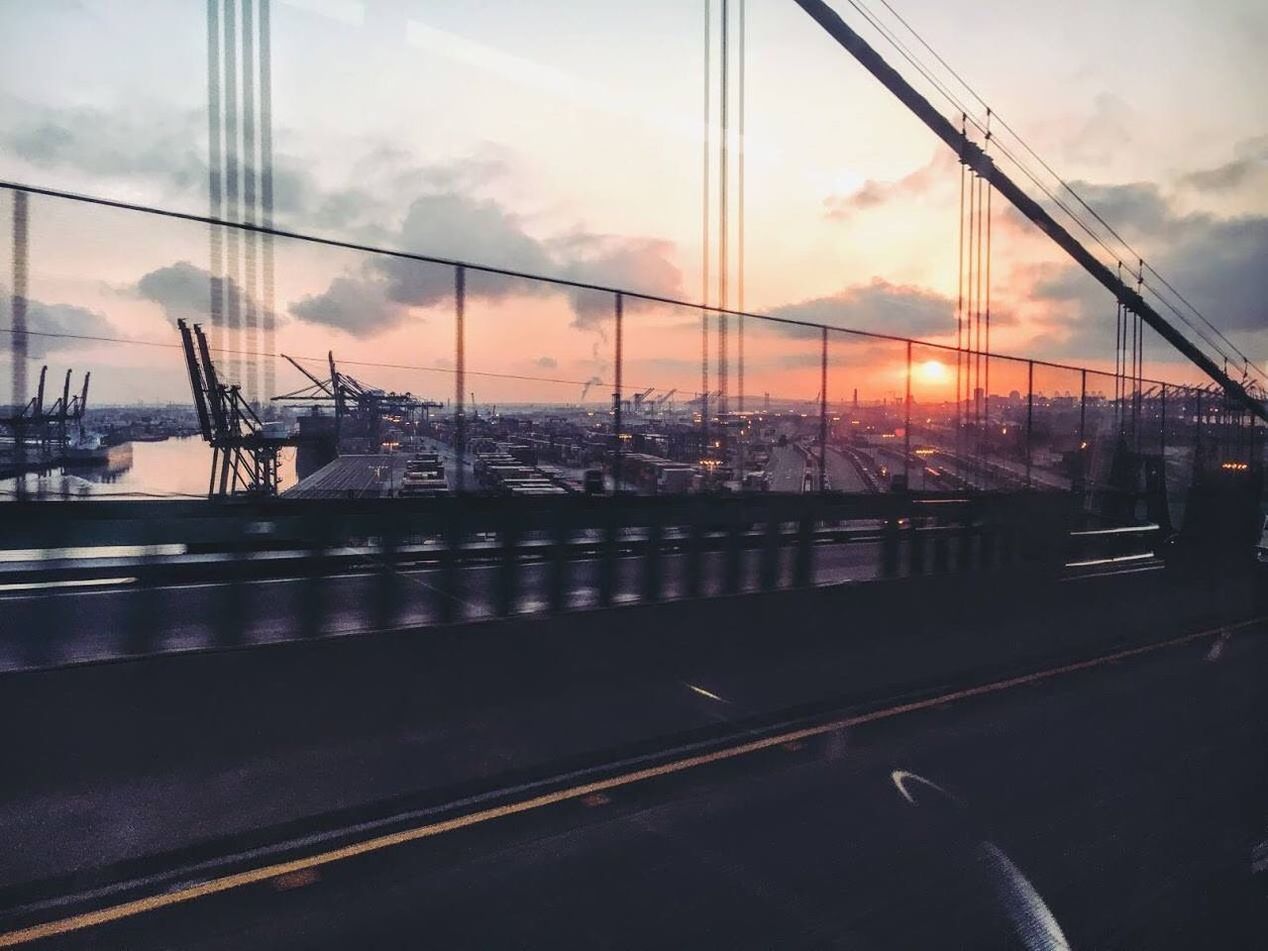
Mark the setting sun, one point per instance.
(933, 372)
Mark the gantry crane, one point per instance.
(354, 402)
(48, 426)
(243, 455)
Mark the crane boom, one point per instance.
(973, 156)
(320, 384)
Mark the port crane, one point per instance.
(48, 425)
(243, 453)
(356, 404)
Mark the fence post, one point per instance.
(1083, 444)
(557, 575)
(450, 593)
(804, 567)
(907, 426)
(915, 547)
(732, 558)
(1030, 421)
(964, 555)
(508, 563)
(618, 307)
(652, 575)
(823, 411)
(460, 376)
(607, 557)
(768, 571)
(941, 547)
(889, 548)
(695, 550)
(387, 595)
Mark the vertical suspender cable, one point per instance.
(1140, 356)
(18, 291)
(704, 237)
(249, 240)
(986, 387)
(972, 275)
(970, 356)
(618, 307)
(739, 290)
(1119, 318)
(266, 197)
(233, 280)
(959, 313)
(723, 224)
(460, 372)
(214, 172)
(1135, 381)
(977, 308)
(18, 303)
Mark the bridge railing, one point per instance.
(535, 346)
(426, 562)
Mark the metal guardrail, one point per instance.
(472, 528)
(357, 566)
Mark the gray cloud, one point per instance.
(878, 307)
(1221, 265)
(463, 227)
(641, 264)
(353, 305)
(546, 363)
(53, 328)
(158, 143)
(1134, 209)
(1217, 263)
(1251, 161)
(181, 290)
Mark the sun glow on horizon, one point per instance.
(932, 372)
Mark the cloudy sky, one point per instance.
(563, 138)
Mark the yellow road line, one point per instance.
(228, 882)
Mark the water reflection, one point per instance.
(175, 468)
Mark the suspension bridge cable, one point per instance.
(872, 18)
(963, 109)
(1167, 284)
(907, 54)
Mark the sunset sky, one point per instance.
(563, 137)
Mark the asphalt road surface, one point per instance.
(1114, 806)
(843, 475)
(786, 470)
